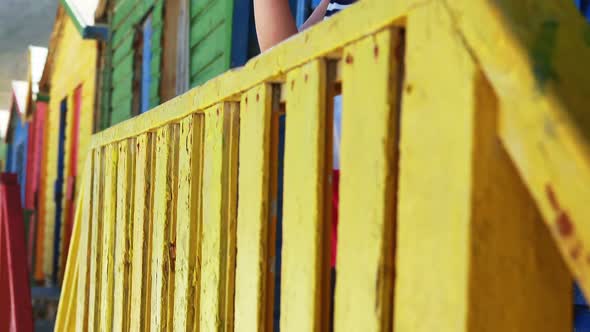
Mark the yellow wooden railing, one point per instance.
(465, 182)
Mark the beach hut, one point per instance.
(4, 117)
(161, 48)
(35, 113)
(17, 135)
(69, 80)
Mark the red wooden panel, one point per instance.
(16, 313)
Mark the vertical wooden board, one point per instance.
(251, 259)
(171, 231)
(85, 252)
(468, 233)
(303, 218)
(96, 240)
(367, 188)
(214, 232)
(188, 225)
(142, 220)
(122, 236)
(66, 312)
(229, 213)
(543, 90)
(163, 217)
(108, 238)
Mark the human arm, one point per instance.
(275, 23)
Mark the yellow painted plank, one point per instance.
(320, 40)
(164, 211)
(367, 187)
(230, 203)
(188, 225)
(543, 89)
(66, 312)
(122, 290)
(141, 243)
(469, 235)
(212, 285)
(96, 236)
(85, 252)
(108, 238)
(303, 221)
(252, 261)
(216, 253)
(66, 317)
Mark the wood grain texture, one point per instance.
(468, 233)
(164, 214)
(367, 184)
(213, 262)
(188, 225)
(303, 222)
(123, 236)
(229, 178)
(85, 252)
(252, 260)
(96, 240)
(107, 259)
(218, 217)
(141, 243)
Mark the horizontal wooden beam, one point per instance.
(319, 41)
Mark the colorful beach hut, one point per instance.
(69, 80)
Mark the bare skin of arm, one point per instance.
(275, 23)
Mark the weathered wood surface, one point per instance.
(456, 155)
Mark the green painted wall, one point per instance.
(125, 19)
(210, 38)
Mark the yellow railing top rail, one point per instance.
(320, 40)
(534, 54)
(541, 42)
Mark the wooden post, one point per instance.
(252, 259)
(188, 225)
(472, 254)
(303, 224)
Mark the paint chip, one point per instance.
(551, 197)
(564, 224)
(349, 59)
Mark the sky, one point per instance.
(22, 23)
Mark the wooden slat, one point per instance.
(472, 252)
(212, 286)
(367, 187)
(108, 237)
(252, 261)
(122, 289)
(303, 222)
(142, 221)
(85, 252)
(96, 240)
(368, 17)
(188, 225)
(163, 220)
(66, 313)
(543, 89)
(216, 226)
(230, 203)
